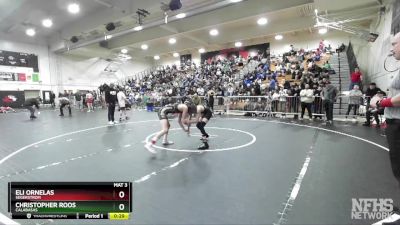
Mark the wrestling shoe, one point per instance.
(149, 147)
(168, 143)
(204, 146)
(204, 138)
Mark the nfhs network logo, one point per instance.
(371, 208)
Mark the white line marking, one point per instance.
(63, 135)
(127, 146)
(320, 128)
(41, 167)
(254, 139)
(148, 176)
(7, 221)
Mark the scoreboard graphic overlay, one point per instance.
(70, 200)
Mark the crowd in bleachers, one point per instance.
(289, 71)
(278, 76)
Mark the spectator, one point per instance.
(318, 105)
(272, 85)
(371, 92)
(329, 94)
(374, 110)
(200, 91)
(354, 100)
(78, 100)
(356, 78)
(121, 97)
(306, 98)
(89, 101)
(52, 98)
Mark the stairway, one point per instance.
(340, 107)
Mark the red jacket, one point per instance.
(356, 77)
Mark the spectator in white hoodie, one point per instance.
(121, 103)
(306, 98)
(354, 99)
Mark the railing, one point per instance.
(254, 105)
(351, 57)
(340, 84)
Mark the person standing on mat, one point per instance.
(29, 103)
(111, 100)
(182, 110)
(89, 101)
(65, 102)
(122, 104)
(392, 115)
(203, 115)
(52, 98)
(329, 94)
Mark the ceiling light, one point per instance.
(176, 54)
(262, 21)
(47, 22)
(172, 41)
(238, 44)
(73, 8)
(214, 32)
(138, 28)
(156, 57)
(124, 50)
(144, 47)
(234, 1)
(278, 37)
(202, 50)
(181, 15)
(323, 30)
(30, 32)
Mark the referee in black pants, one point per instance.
(111, 100)
(392, 115)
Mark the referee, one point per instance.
(392, 115)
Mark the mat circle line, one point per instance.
(254, 139)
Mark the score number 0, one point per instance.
(121, 195)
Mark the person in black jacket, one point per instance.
(111, 99)
(371, 91)
(29, 103)
(52, 98)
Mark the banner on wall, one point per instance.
(14, 99)
(261, 50)
(19, 59)
(21, 74)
